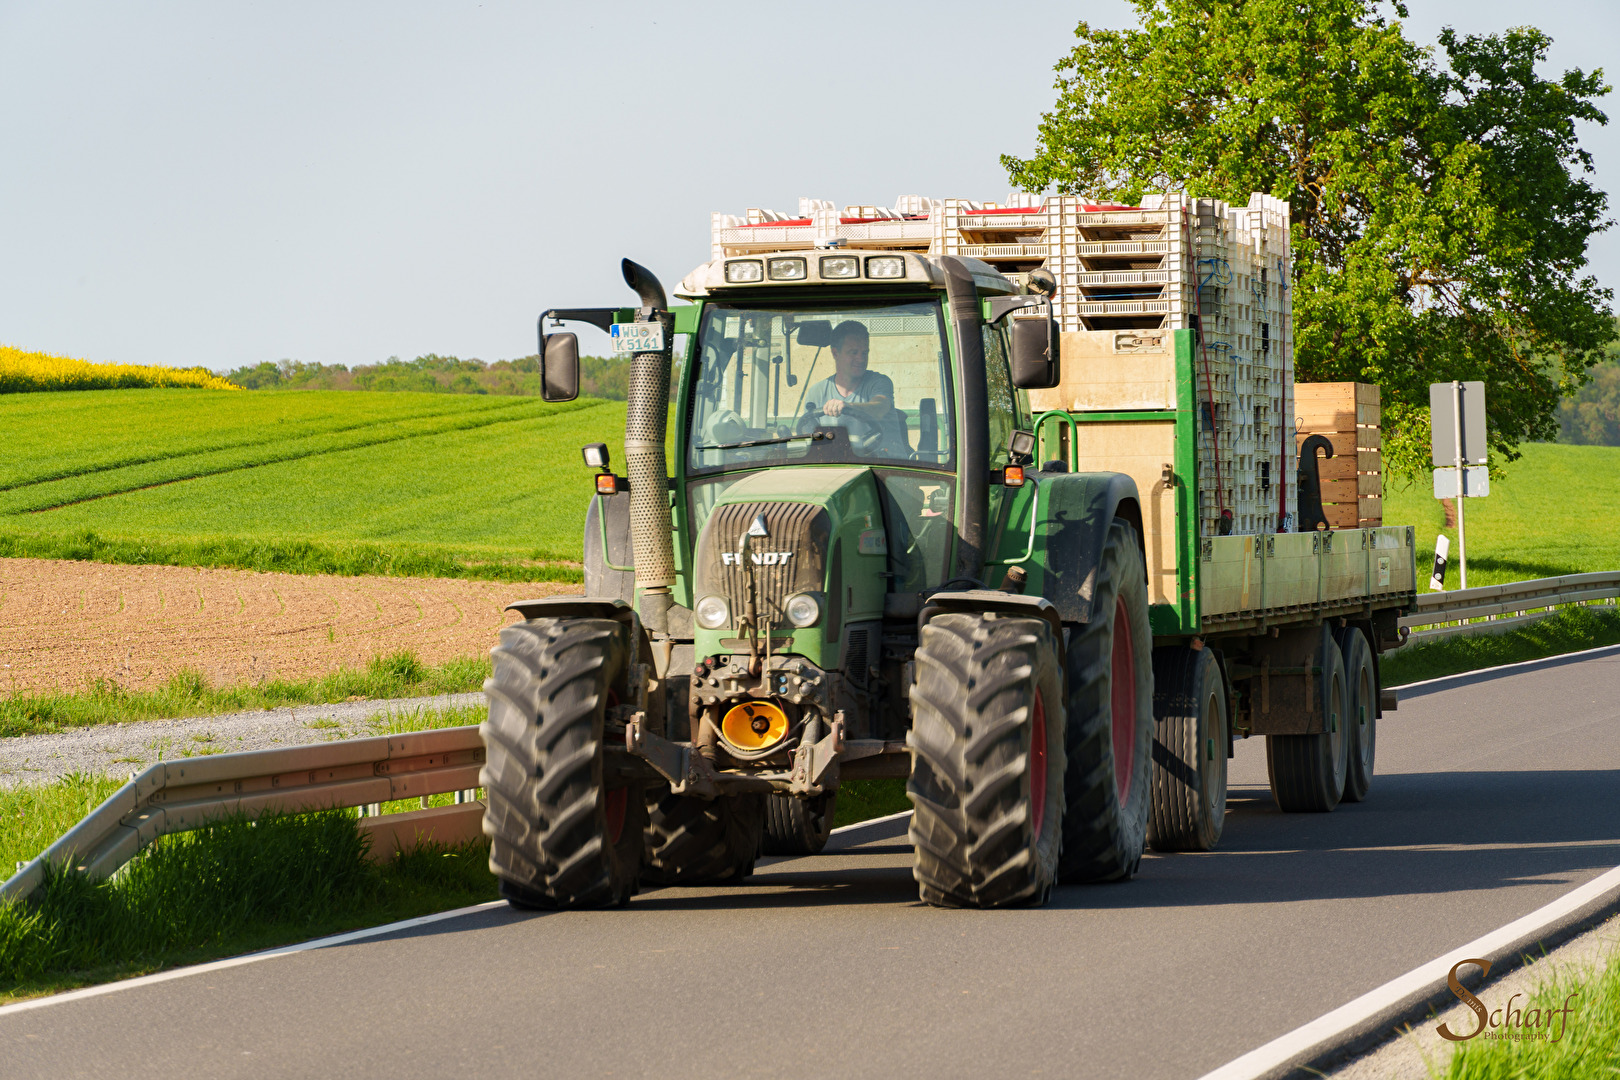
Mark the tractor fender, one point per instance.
(581, 607)
(977, 600)
(609, 557)
(1076, 511)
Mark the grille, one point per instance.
(800, 529)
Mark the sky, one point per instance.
(220, 184)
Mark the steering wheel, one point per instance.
(864, 434)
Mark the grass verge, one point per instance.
(280, 556)
(234, 887)
(1585, 1043)
(863, 800)
(395, 675)
(1570, 630)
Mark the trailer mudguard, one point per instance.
(1076, 511)
(609, 561)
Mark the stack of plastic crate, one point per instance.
(1172, 263)
(1349, 416)
(909, 226)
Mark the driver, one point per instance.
(855, 393)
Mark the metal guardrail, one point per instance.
(1482, 610)
(178, 796)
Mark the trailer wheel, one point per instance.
(1110, 736)
(798, 826)
(1361, 713)
(692, 841)
(1189, 751)
(987, 760)
(1307, 771)
(560, 836)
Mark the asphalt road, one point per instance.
(1493, 797)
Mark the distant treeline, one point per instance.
(599, 376)
(1591, 415)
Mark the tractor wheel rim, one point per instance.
(1123, 702)
(1037, 766)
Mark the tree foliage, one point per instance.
(1591, 415)
(605, 377)
(1441, 206)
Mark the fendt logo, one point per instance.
(758, 558)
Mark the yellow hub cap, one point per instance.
(754, 725)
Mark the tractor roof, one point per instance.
(836, 267)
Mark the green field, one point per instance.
(493, 486)
(454, 483)
(1554, 511)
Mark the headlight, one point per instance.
(745, 270)
(711, 612)
(786, 269)
(886, 266)
(840, 266)
(803, 610)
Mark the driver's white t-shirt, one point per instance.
(873, 385)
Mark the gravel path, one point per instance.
(120, 749)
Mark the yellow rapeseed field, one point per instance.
(23, 371)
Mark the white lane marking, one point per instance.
(1281, 1050)
(871, 821)
(250, 958)
(286, 950)
(1508, 667)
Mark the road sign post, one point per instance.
(1457, 440)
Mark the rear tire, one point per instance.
(1307, 771)
(1361, 713)
(1189, 751)
(692, 841)
(559, 836)
(798, 826)
(1108, 787)
(987, 760)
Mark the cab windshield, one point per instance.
(849, 383)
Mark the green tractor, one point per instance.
(849, 567)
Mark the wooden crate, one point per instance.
(1348, 416)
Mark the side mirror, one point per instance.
(559, 367)
(815, 333)
(1034, 359)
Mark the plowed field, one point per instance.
(65, 624)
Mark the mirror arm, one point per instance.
(599, 317)
(1002, 306)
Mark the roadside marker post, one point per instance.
(1457, 446)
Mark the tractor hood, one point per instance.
(810, 531)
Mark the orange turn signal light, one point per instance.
(606, 483)
(1014, 476)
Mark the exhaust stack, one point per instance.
(651, 526)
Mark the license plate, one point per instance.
(637, 337)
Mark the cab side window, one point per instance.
(1003, 406)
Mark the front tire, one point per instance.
(987, 760)
(560, 837)
(1110, 736)
(1189, 750)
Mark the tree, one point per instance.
(1592, 414)
(1441, 212)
